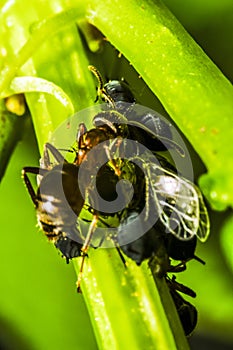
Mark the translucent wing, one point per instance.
(179, 204)
(204, 222)
(177, 201)
(168, 142)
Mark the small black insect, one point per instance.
(113, 92)
(186, 311)
(181, 213)
(145, 127)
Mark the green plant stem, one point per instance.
(126, 308)
(227, 241)
(11, 129)
(191, 88)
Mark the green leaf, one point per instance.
(227, 240)
(11, 129)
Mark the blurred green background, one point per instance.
(39, 308)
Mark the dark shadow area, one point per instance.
(200, 342)
(11, 338)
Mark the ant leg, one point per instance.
(198, 259)
(121, 255)
(112, 161)
(80, 154)
(173, 284)
(178, 268)
(45, 160)
(41, 170)
(36, 171)
(112, 238)
(117, 248)
(182, 265)
(54, 151)
(84, 250)
(81, 131)
(115, 243)
(147, 197)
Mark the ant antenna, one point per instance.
(101, 92)
(199, 259)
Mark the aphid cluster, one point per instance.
(168, 207)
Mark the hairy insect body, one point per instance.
(58, 201)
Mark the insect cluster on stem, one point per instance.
(160, 213)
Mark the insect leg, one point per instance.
(84, 250)
(54, 151)
(186, 311)
(118, 249)
(182, 265)
(113, 162)
(32, 170)
(199, 259)
(114, 241)
(82, 129)
(177, 268)
(173, 284)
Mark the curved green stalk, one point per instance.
(32, 84)
(226, 241)
(126, 309)
(11, 130)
